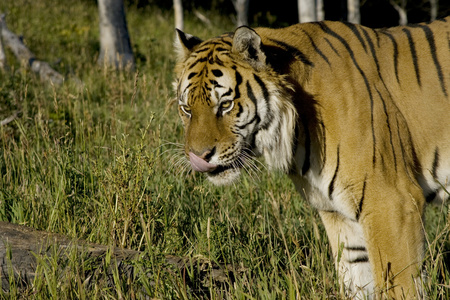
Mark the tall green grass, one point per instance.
(96, 159)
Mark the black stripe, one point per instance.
(237, 93)
(435, 163)
(254, 119)
(332, 47)
(355, 248)
(405, 163)
(263, 88)
(374, 56)
(191, 75)
(219, 61)
(215, 83)
(240, 111)
(395, 45)
(227, 42)
(317, 49)
(360, 259)
(388, 123)
(204, 49)
(412, 47)
(324, 146)
(430, 38)
(361, 201)
(373, 52)
(203, 59)
(413, 161)
(332, 33)
(269, 117)
(378, 37)
(331, 186)
(211, 58)
(252, 97)
(448, 39)
(355, 31)
(227, 93)
(294, 51)
(220, 49)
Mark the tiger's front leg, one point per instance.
(380, 253)
(350, 254)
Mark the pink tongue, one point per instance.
(199, 164)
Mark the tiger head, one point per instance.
(233, 105)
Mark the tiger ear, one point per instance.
(247, 43)
(185, 44)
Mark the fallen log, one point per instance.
(28, 59)
(23, 248)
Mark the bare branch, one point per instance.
(9, 119)
(202, 17)
(401, 9)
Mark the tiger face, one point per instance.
(229, 120)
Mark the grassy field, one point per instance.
(99, 161)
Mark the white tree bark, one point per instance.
(434, 5)
(307, 11)
(115, 46)
(320, 10)
(353, 15)
(178, 9)
(401, 9)
(241, 7)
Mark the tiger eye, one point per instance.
(226, 106)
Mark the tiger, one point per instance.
(358, 119)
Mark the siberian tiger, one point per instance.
(358, 118)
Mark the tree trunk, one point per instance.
(307, 11)
(241, 7)
(401, 9)
(115, 46)
(178, 9)
(353, 15)
(320, 12)
(434, 7)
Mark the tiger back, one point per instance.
(357, 117)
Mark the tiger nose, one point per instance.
(206, 154)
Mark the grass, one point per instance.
(95, 162)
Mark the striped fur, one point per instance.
(357, 117)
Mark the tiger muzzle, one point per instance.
(199, 164)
